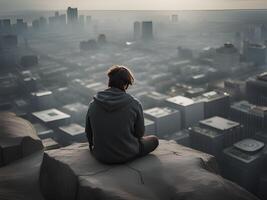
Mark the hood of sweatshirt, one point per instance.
(112, 99)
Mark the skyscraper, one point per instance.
(256, 89)
(137, 30)
(147, 30)
(255, 53)
(227, 57)
(72, 15)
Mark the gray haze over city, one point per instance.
(199, 72)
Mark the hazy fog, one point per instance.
(15, 5)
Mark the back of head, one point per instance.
(120, 77)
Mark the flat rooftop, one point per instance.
(50, 115)
(219, 123)
(181, 101)
(158, 112)
(42, 93)
(73, 129)
(205, 131)
(210, 96)
(247, 107)
(249, 145)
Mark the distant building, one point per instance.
(57, 20)
(88, 20)
(214, 134)
(77, 111)
(50, 143)
(21, 25)
(72, 15)
(52, 117)
(167, 120)
(191, 111)
(215, 103)
(44, 132)
(231, 130)
(253, 118)
(72, 133)
(6, 24)
(256, 89)
(243, 163)
(226, 58)
(137, 30)
(255, 53)
(81, 20)
(147, 30)
(42, 99)
(10, 41)
(174, 19)
(101, 40)
(206, 140)
(40, 23)
(153, 99)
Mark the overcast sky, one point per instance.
(14, 5)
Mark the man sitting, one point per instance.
(115, 122)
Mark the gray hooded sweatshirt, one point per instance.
(114, 124)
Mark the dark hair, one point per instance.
(119, 77)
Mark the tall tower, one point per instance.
(147, 30)
(72, 15)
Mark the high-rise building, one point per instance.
(137, 30)
(231, 130)
(147, 30)
(42, 99)
(206, 140)
(174, 18)
(191, 111)
(10, 41)
(6, 24)
(72, 15)
(256, 89)
(167, 120)
(255, 53)
(252, 117)
(226, 58)
(214, 134)
(153, 99)
(243, 162)
(215, 103)
(21, 25)
(88, 20)
(81, 20)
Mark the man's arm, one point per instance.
(88, 131)
(139, 127)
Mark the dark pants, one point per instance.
(148, 144)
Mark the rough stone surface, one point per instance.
(20, 180)
(171, 172)
(18, 138)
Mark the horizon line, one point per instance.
(227, 9)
